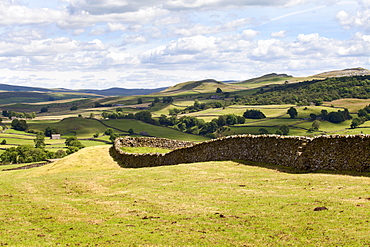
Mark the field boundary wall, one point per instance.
(339, 153)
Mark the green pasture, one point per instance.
(91, 143)
(259, 82)
(81, 127)
(86, 199)
(240, 130)
(13, 131)
(158, 131)
(18, 141)
(16, 136)
(327, 126)
(353, 105)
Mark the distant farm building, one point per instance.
(55, 136)
(215, 97)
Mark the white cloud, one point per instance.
(13, 14)
(100, 7)
(278, 34)
(162, 42)
(78, 32)
(113, 27)
(98, 31)
(201, 29)
(360, 20)
(136, 39)
(249, 34)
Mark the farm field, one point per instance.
(86, 199)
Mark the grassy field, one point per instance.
(153, 130)
(86, 199)
(353, 105)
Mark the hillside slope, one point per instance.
(86, 159)
(345, 72)
(103, 92)
(203, 86)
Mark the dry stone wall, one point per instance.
(341, 153)
(320, 153)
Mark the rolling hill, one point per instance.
(103, 92)
(345, 72)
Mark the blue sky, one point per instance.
(100, 44)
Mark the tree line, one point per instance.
(314, 91)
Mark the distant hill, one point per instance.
(268, 77)
(192, 85)
(345, 72)
(201, 86)
(103, 92)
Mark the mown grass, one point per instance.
(86, 199)
(353, 105)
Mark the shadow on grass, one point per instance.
(292, 170)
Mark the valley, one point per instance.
(86, 198)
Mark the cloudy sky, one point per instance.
(150, 43)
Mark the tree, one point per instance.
(51, 130)
(60, 154)
(292, 112)
(96, 135)
(5, 113)
(324, 114)
(108, 131)
(20, 125)
(231, 119)
(113, 136)
(131, 131)
(218, 90)
(316, 125)
(254, 114)
(3, 142)
(283, 130)
(357, 122)
(73, 108)
(220, 131)
(44, 109)
(263, 131)
(313, 116)
(241, 119)
(139, 100)
(209, 127)
(335, 117)
(40, 140)
(156, 100)
(73, 145)
(92, 115)
(24, 154)
(221, 121)
(145, 116)
(167, 100)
